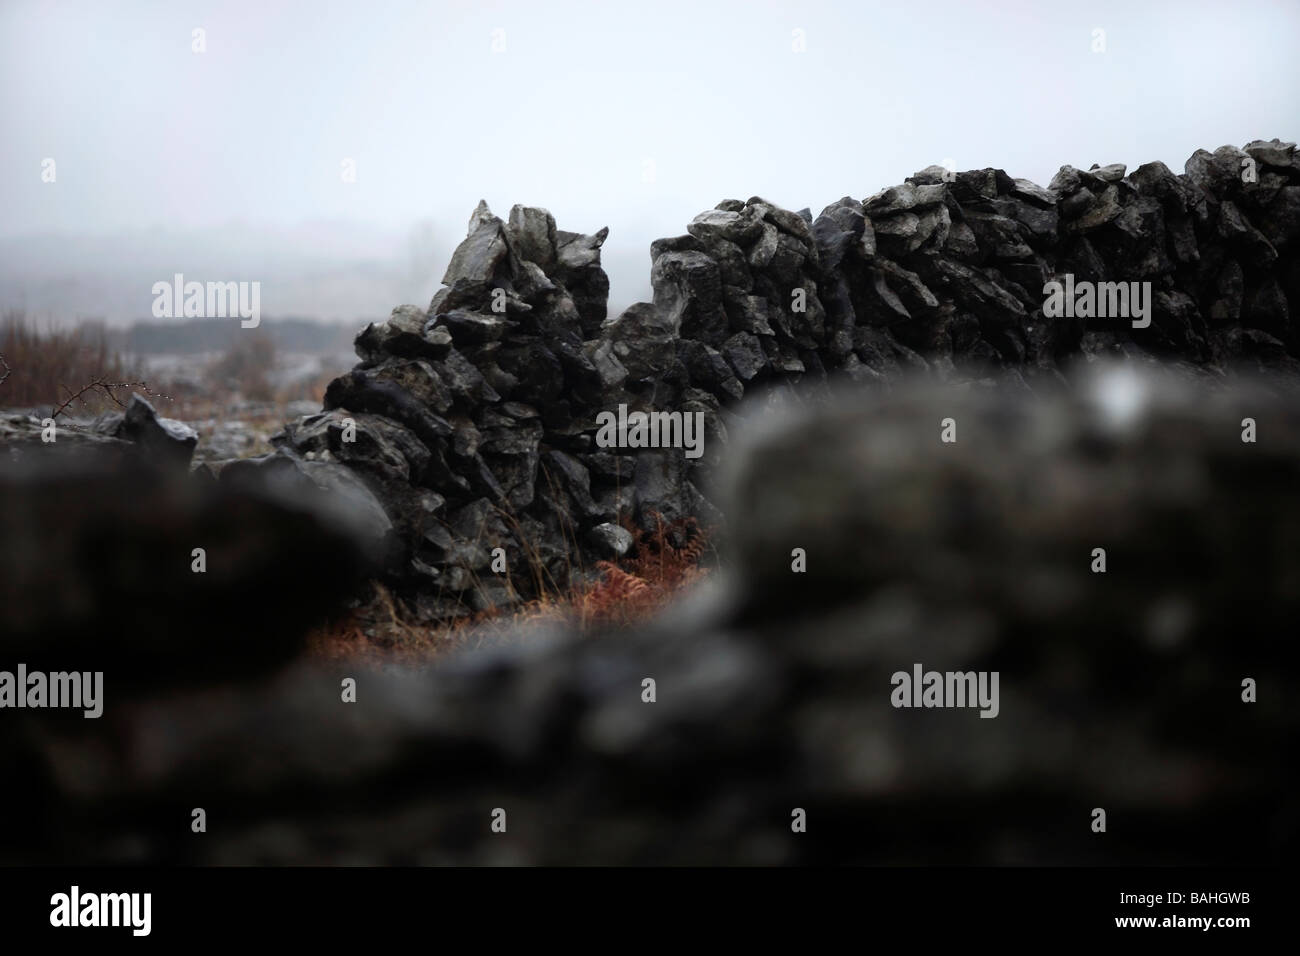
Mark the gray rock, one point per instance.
(744, 354)
(1034, 194)
(1109, 174)
(764, 248)
(890, 201)
(738, 227)
(1274, 152)
(165, 439)
(611, 540)
(532, 235)
(1218, 172)
(688, 293)
(841, 230)
(1103, 209)
(566, 476)
(473, 328)
(579, 251)
(406, 334)
(478, 257)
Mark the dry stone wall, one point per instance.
(476, 424)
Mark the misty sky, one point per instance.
(226, 164)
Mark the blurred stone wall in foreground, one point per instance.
(1120, 690)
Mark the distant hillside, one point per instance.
(183, 337)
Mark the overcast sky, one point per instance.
(226, 164)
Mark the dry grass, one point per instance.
(663, 563)
(44, 366)
(51, 366)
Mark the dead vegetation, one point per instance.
(77, 370)
(663, 563)
(62, 368)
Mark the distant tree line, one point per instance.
(181, 337)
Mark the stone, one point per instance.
(473, 328)
(164, 439)
(744, 354)
(1272, 153)
(611, 540)
(482, 251)
(688, 293)
(1109, 174)
(737, 227)
(532, 235)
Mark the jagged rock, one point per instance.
(998, 236)
(1068, 181)
(1244, 237)
(533, 235)
(1101, 209)
(362, 390)
(406, 334)
(1109, 174)
(1041, 221)
(741, 227)
(366, 442)
(708, 369)
(477, 258)
(1217, 173)
(748, 313)
(642, 342)
(605, 361)
(164, 439)
(786, 264)
(961, 242)
(577, 251)
(568, 477)
(977, 184)
(1033, 194)
(473, 328)
(660, 483)
(733, 269)
(688, 293)
(1272, 153)
(842, 229)
(890, 201)
(790, 223)
(744, 353)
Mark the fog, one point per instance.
(229, 164)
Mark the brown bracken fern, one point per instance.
(665, 560)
